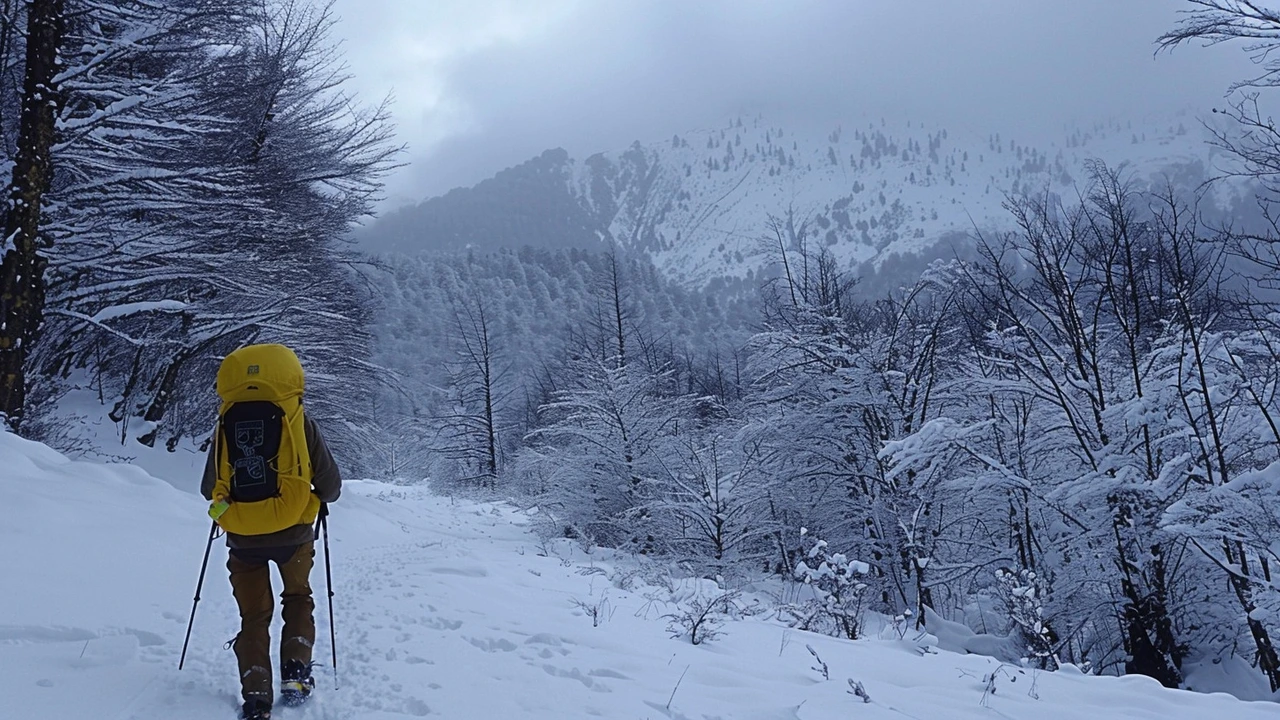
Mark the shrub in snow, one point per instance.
(598, 610)
(901, 623)
(1024, 592)
(838, 587)
(990, 680)
(703, 619)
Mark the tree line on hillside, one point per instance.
(476, 343)
(180, 174)
(1071, 436)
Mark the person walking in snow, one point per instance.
(267, 476)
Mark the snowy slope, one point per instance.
(699, 203)
(445, 609)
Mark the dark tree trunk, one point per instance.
(616, 290)
(163, 397)
(1268, 659)
(22, 285)
(1149, 640)
(490, 430)
(1148, 629)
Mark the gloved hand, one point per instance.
(218, 507)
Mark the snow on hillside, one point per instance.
(446, 608)
(699, 203)
(867, 191)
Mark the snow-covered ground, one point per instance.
(445, 608)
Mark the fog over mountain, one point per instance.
(708, 206)
(482, 86)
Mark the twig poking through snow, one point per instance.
(855, 688)
(677, 687)
(821, 666)
(598, 611)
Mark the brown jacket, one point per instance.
(325, 483)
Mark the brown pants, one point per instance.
(251, 584)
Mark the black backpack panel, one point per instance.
(251, 432)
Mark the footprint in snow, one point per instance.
(547, 639)
(576, 674)
(442, 624)
(43, 634)
(491, 645)
(461, 572)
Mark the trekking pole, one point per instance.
(323, 524)
(213, 532)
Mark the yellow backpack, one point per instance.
(263, 467)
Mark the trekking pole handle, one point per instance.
(320, 516)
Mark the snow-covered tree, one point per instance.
(474, 424)
(707, 500)
(603, 435)
(207, 162)
(833, 380)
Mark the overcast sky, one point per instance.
(480, 85)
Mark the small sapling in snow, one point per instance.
(703, 619)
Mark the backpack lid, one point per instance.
(260, 372)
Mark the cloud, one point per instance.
(484, 84)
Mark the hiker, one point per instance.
(266, 476)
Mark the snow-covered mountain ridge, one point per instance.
(699, 203)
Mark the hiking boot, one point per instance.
(296, 683)
(255, 710)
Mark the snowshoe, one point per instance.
(255, 710)
(297, 683)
